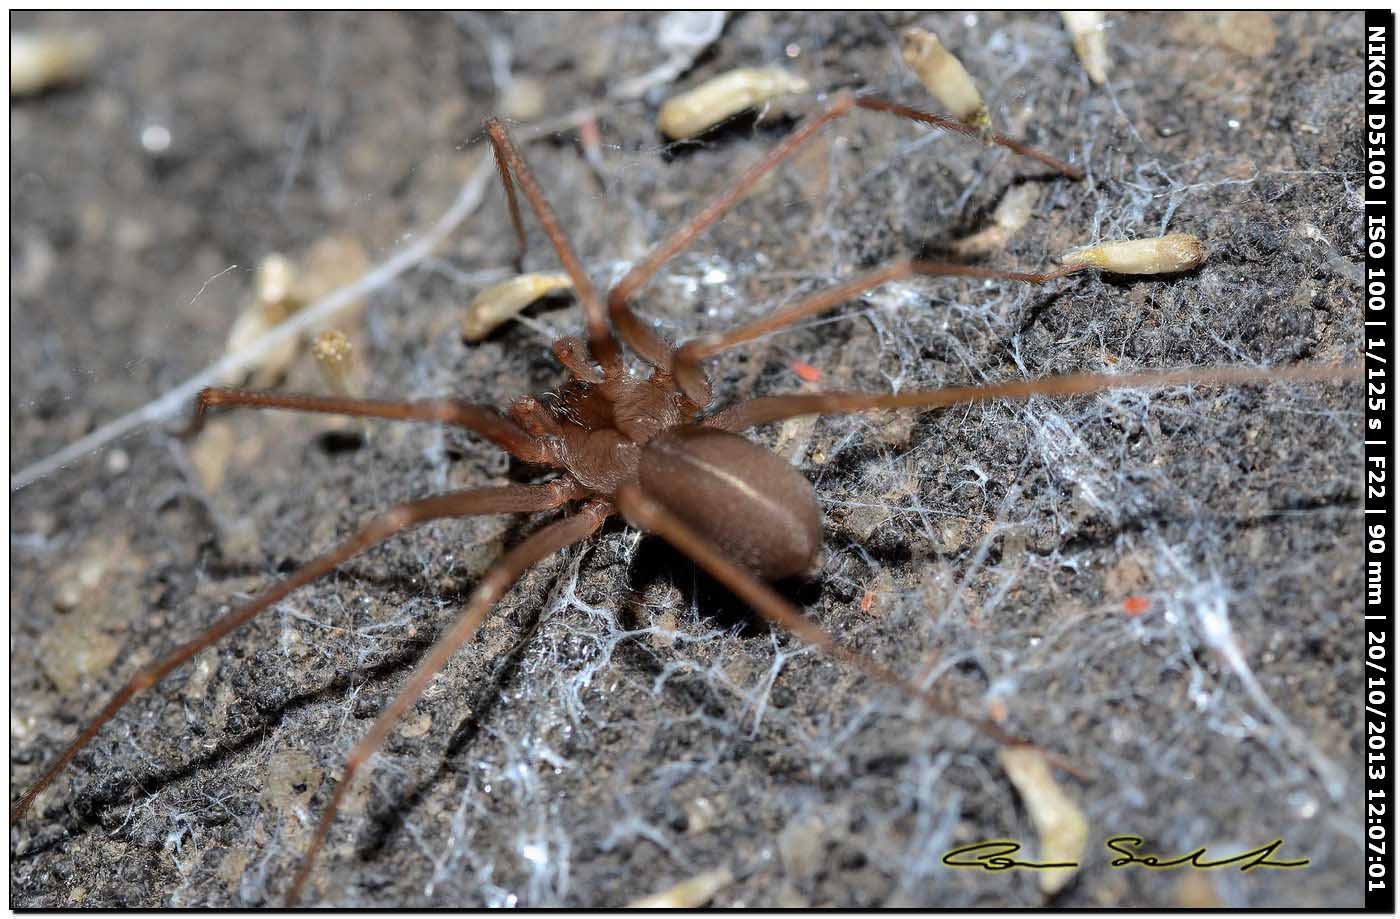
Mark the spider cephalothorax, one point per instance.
(596, 427)
(614, 429)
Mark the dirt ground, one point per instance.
(1159, 586)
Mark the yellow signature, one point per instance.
(997, 855)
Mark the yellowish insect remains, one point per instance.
(1085, 29)
(1063, 832)
(282, 287)
(688, 894)
(693, 113)
(1012, 214)
(1159, 255)
(334, 357)
(43, 60)
(496, 304)
(272, 302)
(944, 76)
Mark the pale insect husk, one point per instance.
(282, 286)
(944, 76)
(42, 60)
(1013, 212)
(692, 113)
(500, 302)
(335, 358)
(1086, 30)
(688, 894)
(272, 302)
(1063, 832)
(1168, 254)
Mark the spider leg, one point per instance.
(600, 338)
(686, 361)
(508, 499)
(649, 515)
(573, 354)
(481, 419)
(642, 339)
(503, 168)
(744, 415)
(876, 104)
(646, 342)
(494, 584)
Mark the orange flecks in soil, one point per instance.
(1135, 606)
(806, 371)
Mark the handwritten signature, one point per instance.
(996, 855)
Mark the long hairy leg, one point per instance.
(508, 499)
(600, 338)
(876, 104)
(744, 415)
(497, 580)
(686, 361)
(498, 150)
(644, 340)
(481, 419)
(649, 515)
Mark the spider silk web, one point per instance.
(1156, 585)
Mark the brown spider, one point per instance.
(650, 448)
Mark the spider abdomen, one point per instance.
(741, 497)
